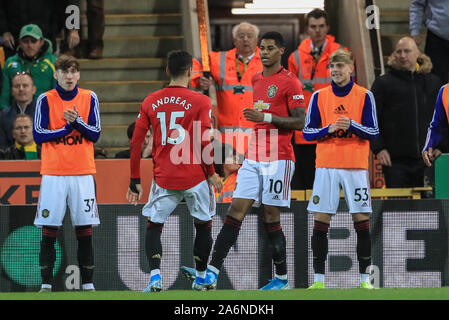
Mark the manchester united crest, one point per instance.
(272, 91)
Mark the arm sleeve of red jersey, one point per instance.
(295, 95)
(207, 150)
(208, 163)
(136, 150)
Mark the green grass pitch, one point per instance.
(294, 294)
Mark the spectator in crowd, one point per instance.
(35, 56)
(232, 71)
(437, 22)
(227, 168)
(405, 99)
(24, 147)
(22, 90)
(15, 14)
(309, 62)
(438, 129)
(147, 145)
(95, 32)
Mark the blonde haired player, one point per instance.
(342, 119)
(67, 123)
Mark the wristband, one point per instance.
(132, 184)
(267, 117)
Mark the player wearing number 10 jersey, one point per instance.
(183, 163)
(267, 170)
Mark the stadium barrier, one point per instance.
(20, 181)
(409, 248)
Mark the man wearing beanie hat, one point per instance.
(35, 56)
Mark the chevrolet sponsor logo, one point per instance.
(260, 105)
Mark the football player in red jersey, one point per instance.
(265, 175)
(183, 169)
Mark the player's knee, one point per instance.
(202, 224)
(320, 229)
(154, 225)
(83, 231)
(237, 211)
(362, 227)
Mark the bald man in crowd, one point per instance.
(405, 99)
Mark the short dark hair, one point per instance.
(178, 62)
(225, 151)
(130, 130)
(276, 36)
(65, 62)
(316, 14)
(132, 127)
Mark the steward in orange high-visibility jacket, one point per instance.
(232, 72)
(309, 62)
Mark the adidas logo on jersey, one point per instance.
(364, 205)
(276, 197)
(340, 110)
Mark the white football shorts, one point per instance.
(58, 192)
(326, 190)
(265, 182)
(200, 200)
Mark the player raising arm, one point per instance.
(183, 164)
(438, 127)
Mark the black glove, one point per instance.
(132, 184)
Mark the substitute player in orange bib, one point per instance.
(183, 164)
(438, 127)
(265, 175)
(342, 118)
(67, 123)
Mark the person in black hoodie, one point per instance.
(405, 99)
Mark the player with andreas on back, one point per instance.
(265, 175)
(67, 123)
(183, 164)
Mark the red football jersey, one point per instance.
(180, 119)
(275, 94)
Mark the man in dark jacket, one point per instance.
(24, 147)
(405, 99)
(22, 90)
